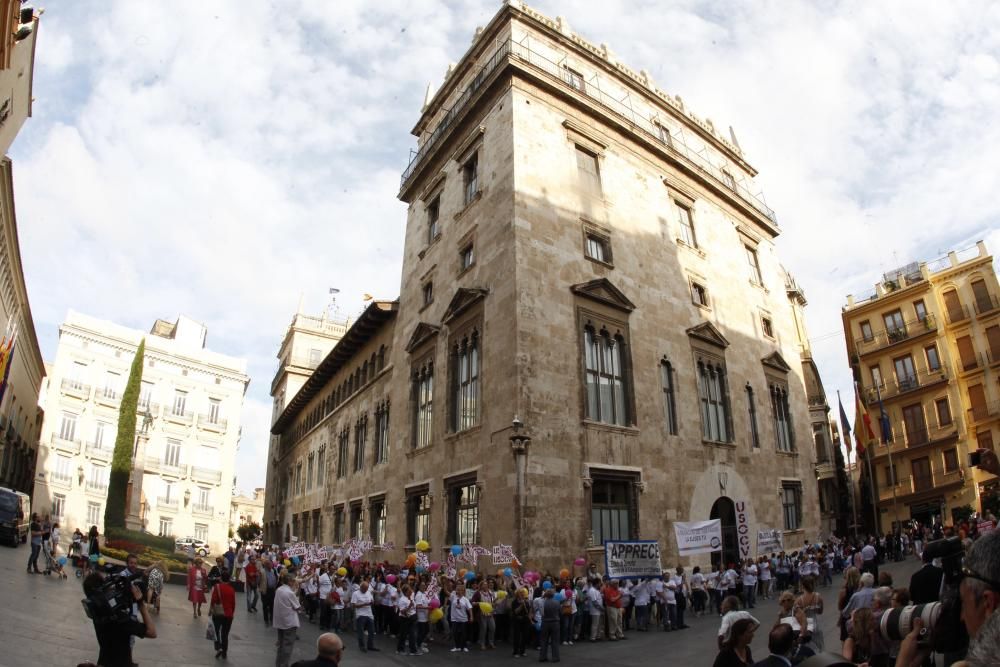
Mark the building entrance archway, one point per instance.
(725, 510)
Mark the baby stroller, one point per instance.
(51, 564)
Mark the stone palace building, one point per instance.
(587, 256)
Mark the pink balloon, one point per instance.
(391, 578)
(435, 603)
(434, 567)
(580, 562)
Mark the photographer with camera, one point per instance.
(108, 604)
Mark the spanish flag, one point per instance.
(862, 423)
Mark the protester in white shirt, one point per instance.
(749, 584)
(286, 620)
(423, 602)
(595, 601)
(764, 569)
(698, 594)
(640, 593)
(460, 610)
(363, 603)
(325, 587)
(406, 610)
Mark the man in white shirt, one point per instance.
(750, 584)
(640, 593)
(325, 587)
(362, 602)
(596, 602)
(869, 559)
(286, 620)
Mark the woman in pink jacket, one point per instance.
(197, 579)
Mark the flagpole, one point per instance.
(871, 475)
(883, 420)
(846, 439)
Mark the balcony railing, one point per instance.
(61, 479)
(886, 337)
(984, 412)
(986, 303)
(100, 451)
(107, 396)
(202, 510)
(157, 465)
(817, 400)
(905, 384)
(303, 362)
(166, 503)
(520, 53)
(922, 436)
(206, 474)
(65, 445)
(98, 487)
(179, 417)
(958, 314)
(143, 406)
(212, 423)
(76, 388)
(907, 486)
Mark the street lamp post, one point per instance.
(519, 444)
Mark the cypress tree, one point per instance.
(121, 462)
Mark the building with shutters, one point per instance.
(926, 342)
(604, 272)
(187, 428)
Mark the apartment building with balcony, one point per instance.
(585, 254)
(926, 342)
(187, 428)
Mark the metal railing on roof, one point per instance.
(672, 142)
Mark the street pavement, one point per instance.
(43, 623)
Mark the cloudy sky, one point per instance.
(219, 159)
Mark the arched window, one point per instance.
(606, 376)
(465, 382)
(714, 397)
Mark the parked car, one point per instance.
(201, 548)
(15, 514)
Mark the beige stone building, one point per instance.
(20, 415)
(586, 255)
(187, 433)
(926, 342)
(245, 510)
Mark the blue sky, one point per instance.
(220, 160)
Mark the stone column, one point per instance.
(133, 517)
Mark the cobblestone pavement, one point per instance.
(43, 623)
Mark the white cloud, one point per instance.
(220, 162)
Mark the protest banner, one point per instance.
(769, 540)
(743, 529)
(503, 554)
(632, 559)
(985, 527)
(698, 537)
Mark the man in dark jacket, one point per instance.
(925, 584)
(329, 651)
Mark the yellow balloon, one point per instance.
(501, 595)
(287, 562)
(436, 615)
(342, 571)
(101, 561)
(422, 545)
(486, 607)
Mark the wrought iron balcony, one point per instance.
(108, 396)
(886, 337)
(61, 479)
(97, 487)
(905, 385)
(986, 303)
(179, 416)
(984, 412)
(958, 314)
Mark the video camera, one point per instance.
(113, 600)
(943, 628)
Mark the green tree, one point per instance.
(249, 532)
(121, 462)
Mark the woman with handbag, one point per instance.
(222, 609)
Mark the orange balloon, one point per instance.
(462, 572)
(564, 573)
(499, 573)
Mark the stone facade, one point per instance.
(188, 428)
(544, 220)
(926, 342)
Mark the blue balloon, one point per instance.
(421, 569)
(559, 597)
(507, 572)
(469, 576)
(456, 550)
(295, 559)
(546, 585)
(62, 560)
